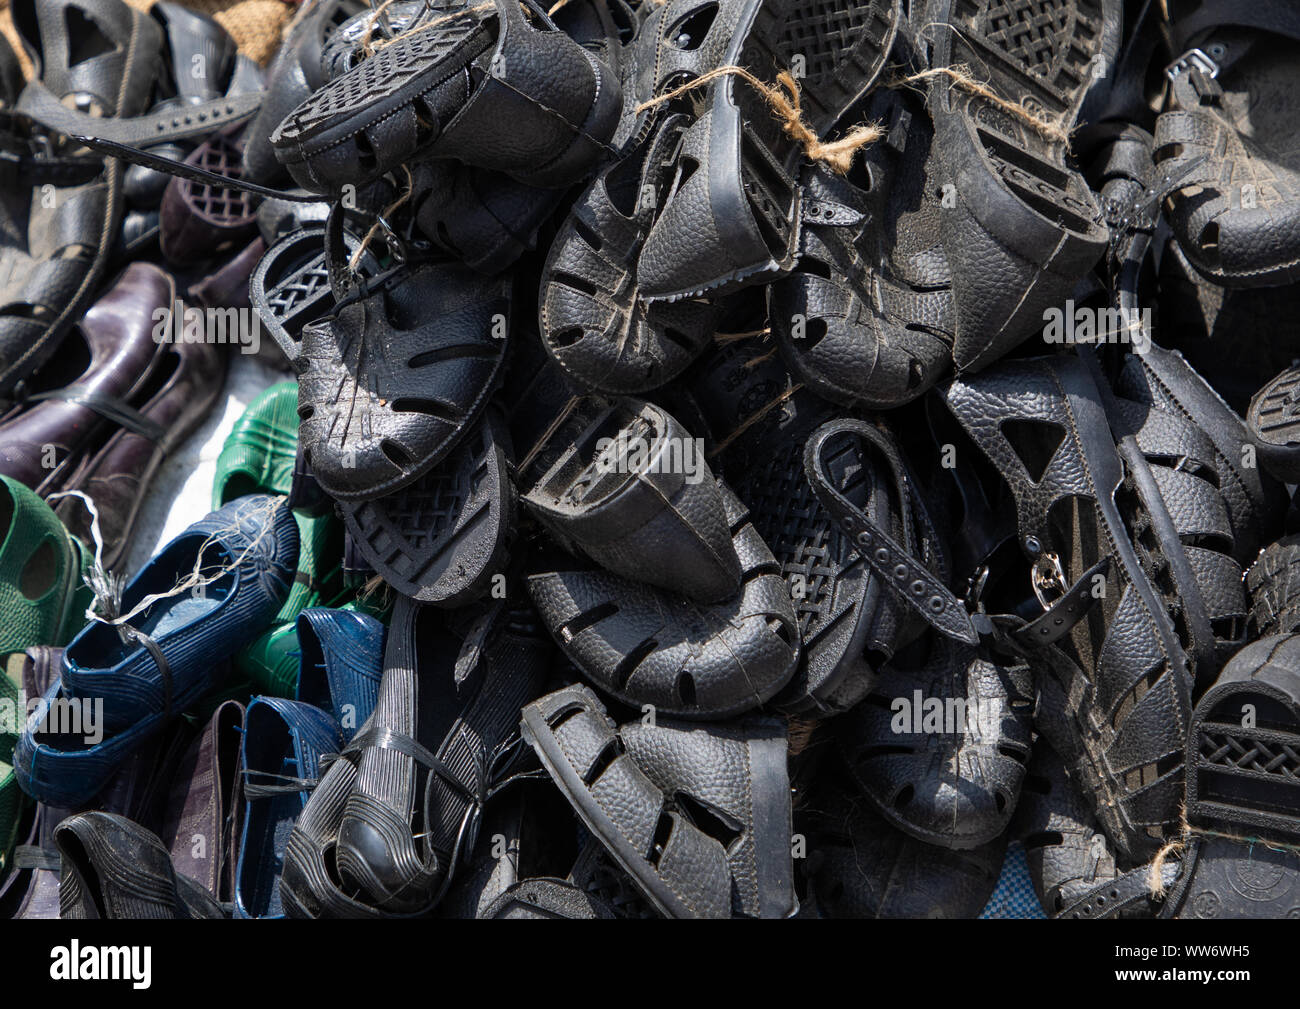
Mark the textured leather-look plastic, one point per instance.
(866, 316)
(393, 379)
(47, 289)
(592, 320)
(698, 815)
(445, 91)
(485, 219)
(953, 780)
(733, 211)
(645, 645)
(861, 867)
(1219, 129)
(1128, 764)
(1024, 227)
(843, 611)
(634, 494)
(1067, 854)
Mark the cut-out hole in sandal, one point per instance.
(663, 831)
(39, 573)
(609, 753)
(567, 337)
(814, 332)
(588, 235)
(577, 283)
(582, 621)
(708, 819)
(395, 453)
(689, 32)
(629, 663)
(85, 39)
(365, 152)
(816, 267)
(566, 713)
(1035, 443)
(429, 407)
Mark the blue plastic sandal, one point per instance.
(127, 682)
(341, 663)
(283, 745)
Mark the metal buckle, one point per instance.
(1193, 58)
(1047, 576)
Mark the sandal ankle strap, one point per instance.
(892, 562)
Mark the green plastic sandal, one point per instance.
(43, 598)
(259, 452)
(43, 601)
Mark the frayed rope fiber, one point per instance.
(784, 98)
(1176, 847)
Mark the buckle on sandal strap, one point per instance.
(1193, 59)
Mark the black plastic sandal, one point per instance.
(1067, 854)
(1023, 227)
(290, 285)
(294, 74)
(309, 883)
(940, 745)
(732, 214)
(866, 316)
(1243, 796)
(850, 620)
(115, 868)
(593, 322)
(485, 219)
(634, 494)
(1274, 419)
(1127, 545)
(394, 377)
(64, 218)
(502, 89)
(645, 645)
(1236, 216)
(547, 899)
(698, 816)
(442, 539)
(440, 740)
(528, 834)
(861, 867)
(1256, 502)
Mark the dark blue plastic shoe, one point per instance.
(125, 685)
(341, 664)
(283, 745)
